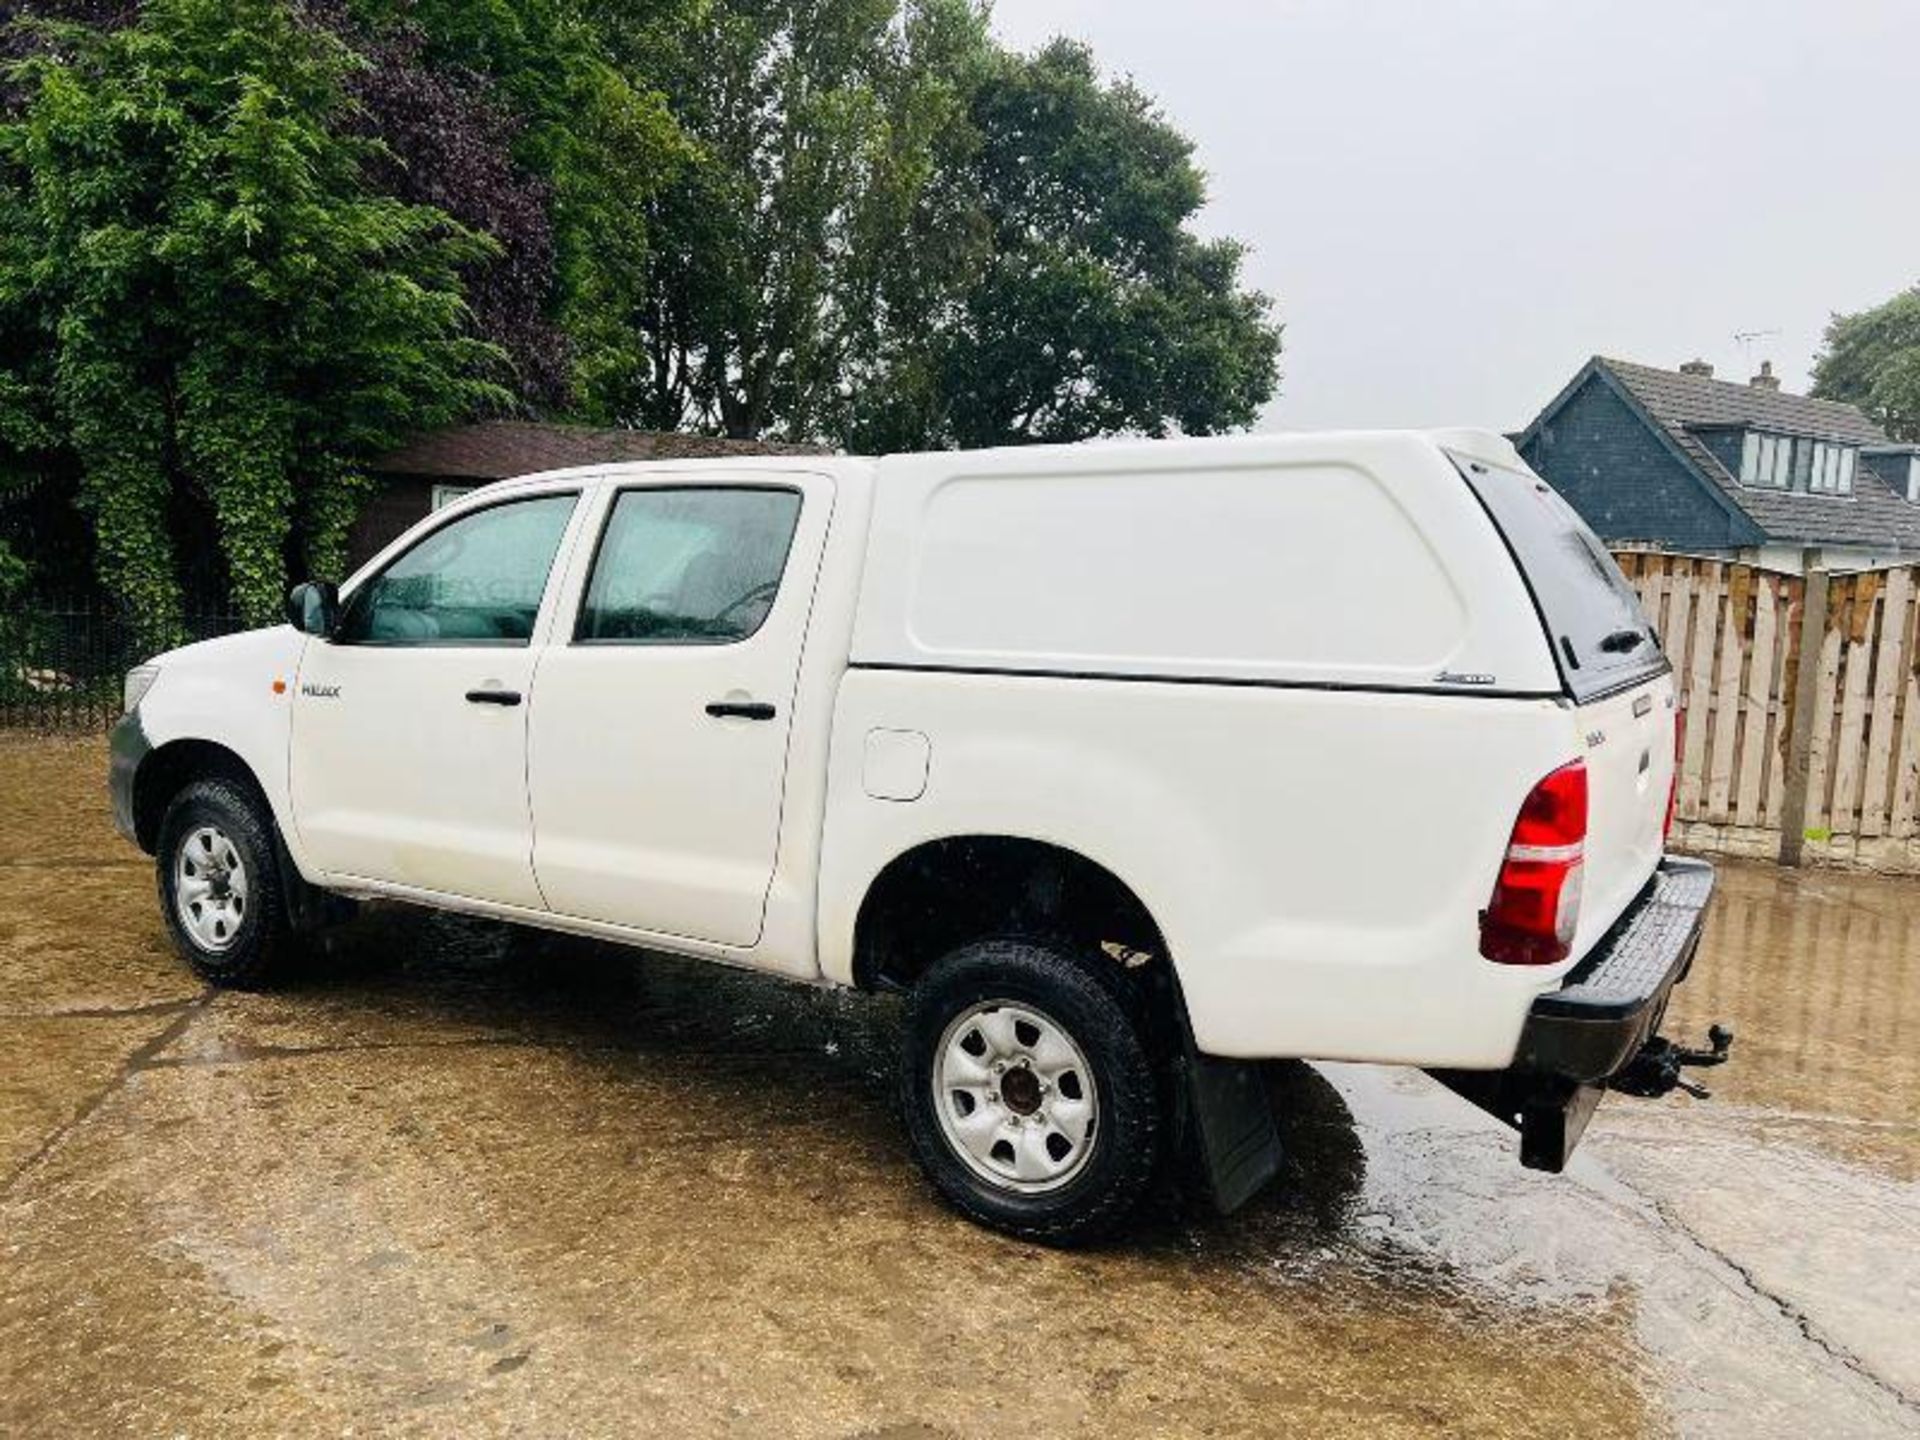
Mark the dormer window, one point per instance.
(1898, 467)
(1780, 462)
(1766, 460)
(1832, 470)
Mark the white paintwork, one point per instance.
(1316, 860)
(1268, 752)
(223, 690)
(897, 762)
(1224, 559)
(647, 811)
(1629, 775)
(404, 781)
(397, 778)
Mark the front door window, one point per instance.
(475, 581)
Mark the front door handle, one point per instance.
(740, 710)
(493, 697)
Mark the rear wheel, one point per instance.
(1029, 1091)
(220, 886)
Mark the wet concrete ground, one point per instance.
(455, 1184)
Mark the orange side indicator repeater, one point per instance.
(279, 687)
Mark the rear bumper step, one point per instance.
(1597, 1032)
(1612, 1001)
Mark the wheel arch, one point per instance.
(940, 893)
(168, 769)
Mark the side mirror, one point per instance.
(314, 607)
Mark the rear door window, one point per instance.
(1601, 637)
(688, 566)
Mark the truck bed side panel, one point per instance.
(1315, 859)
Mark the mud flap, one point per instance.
(309, 908)
(1550, 1113)
(1551, 1125)
(1233, 1125)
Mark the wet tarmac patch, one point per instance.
(457, 1179)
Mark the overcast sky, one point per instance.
(1456, 202)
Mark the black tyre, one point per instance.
(1029, 1090)
(220, 884)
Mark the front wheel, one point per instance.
(220, 884)
(1029, 1091)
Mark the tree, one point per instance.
(1093, 308)
(232, 320)
(447, 137)
(816, 123)
(1872, 359)
(899, 236)
(246, 244)
(541, 124)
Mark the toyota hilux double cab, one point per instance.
(1129, 766)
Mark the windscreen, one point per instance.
(1601, 637)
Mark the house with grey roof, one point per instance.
(1678, 460)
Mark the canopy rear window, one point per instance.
(1602, 640)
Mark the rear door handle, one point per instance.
(493, 697)
(740, 710)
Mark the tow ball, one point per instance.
(1656, 1069)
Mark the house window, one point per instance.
(444, 495)
(1832, 469)
(1766, 460)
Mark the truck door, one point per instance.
(661, 712)
(408, 745)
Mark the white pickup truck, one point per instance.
(1127, 765)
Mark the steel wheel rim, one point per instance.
(210, 887)
(989, 1126)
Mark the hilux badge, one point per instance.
(321, 692)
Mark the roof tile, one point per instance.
(1872, 516)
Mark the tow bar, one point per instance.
(1551, 1112)
(1656, 1069)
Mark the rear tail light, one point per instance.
(1673, 786)
(1536, 900)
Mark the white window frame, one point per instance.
(1832, 470)
(1766, 460)
(441, 496)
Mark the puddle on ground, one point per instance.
(458, 1177)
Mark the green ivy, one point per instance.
(235, 320)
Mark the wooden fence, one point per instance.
(1803, 708)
